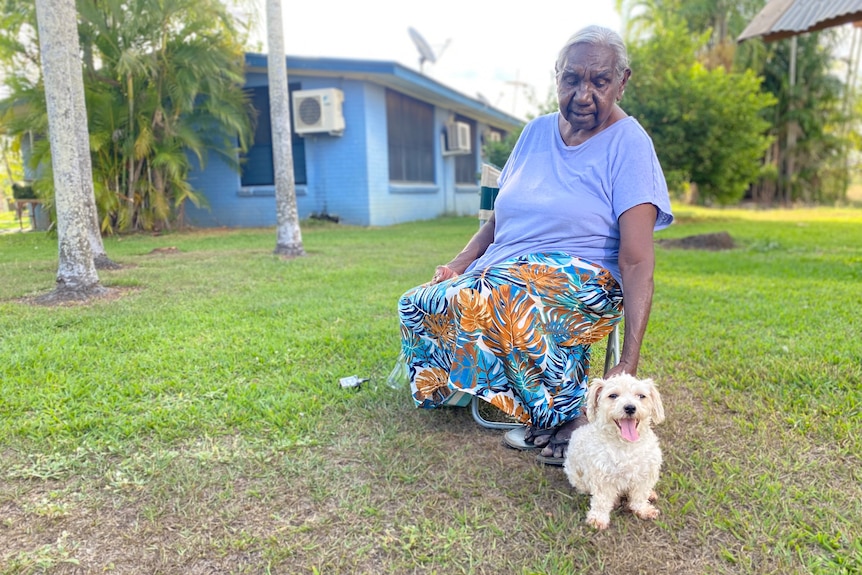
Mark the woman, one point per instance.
(511, 318)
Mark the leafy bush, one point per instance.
(498, 152)
(707, 125)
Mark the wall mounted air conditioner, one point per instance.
(458, 138)
(318, 111)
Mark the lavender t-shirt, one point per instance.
(559, 198)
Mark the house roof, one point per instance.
(784, 18)
(395, 76)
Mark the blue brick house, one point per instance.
(374, 143)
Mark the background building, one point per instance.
(374, 143)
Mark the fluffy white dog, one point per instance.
(617, 454)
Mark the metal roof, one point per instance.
(784, 18)
(395, 76)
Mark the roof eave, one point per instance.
(395, 76)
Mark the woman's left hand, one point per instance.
(620, 369)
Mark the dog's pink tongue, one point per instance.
(629, 429)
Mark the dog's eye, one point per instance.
(641, 396)
(613, 396)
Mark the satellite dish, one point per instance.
(426, 54)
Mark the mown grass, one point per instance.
(195, 423)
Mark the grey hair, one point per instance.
(596, 36)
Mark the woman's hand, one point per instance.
(442, 274)
(472, 251)
(619, 369)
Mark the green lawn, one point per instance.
(194, 422)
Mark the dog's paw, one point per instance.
(600, 522)
(647, 512)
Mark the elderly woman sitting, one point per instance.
(512, 317)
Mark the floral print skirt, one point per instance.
(517, 334)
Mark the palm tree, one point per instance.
(169, 83)
(76, 276)
(288, 233)
(163, 89)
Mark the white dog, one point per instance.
(617, 454)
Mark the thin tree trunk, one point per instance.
(289, 236)
(94, 232)
(61, 69)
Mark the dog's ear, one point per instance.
(594, 392)
(657, 407)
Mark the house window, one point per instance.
(257, 168)
(465, 164)
(410, 131)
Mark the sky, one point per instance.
(504, 51)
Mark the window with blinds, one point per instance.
(410, 133)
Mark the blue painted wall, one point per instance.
(347, 175)
(338, 165)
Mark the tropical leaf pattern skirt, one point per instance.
(517, 334)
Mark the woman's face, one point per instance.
(588, 88)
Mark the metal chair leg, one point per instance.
(474, 407)
(612, 354)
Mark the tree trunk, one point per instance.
(289, 236)
(94, 232)
(61, 69)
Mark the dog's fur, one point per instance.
(603, 463)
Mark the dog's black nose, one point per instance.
(630, 409)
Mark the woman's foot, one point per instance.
(539, 437)
(555, 447)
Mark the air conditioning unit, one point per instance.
(318, 112)
(458, 138)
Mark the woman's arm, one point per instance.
(471, 252)
(637, 263)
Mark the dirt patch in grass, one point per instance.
(713, 242)
(168, 250)
(69, 299)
